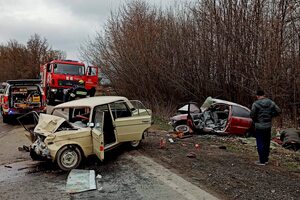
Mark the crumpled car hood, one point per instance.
(48, 124)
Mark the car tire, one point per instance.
(182, 128)
(69, 157)
(135, 144)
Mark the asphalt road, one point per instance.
(125, 175)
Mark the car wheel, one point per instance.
(69, 157)
(182, 128)
(135, 143)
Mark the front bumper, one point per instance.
(40, 148)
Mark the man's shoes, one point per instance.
(259, 163)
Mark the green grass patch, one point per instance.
(161, 124)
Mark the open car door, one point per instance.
(97, 135)
(29, 122)
(130, 123)
(240, 122)
(92, 77)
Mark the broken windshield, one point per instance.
(69, 69)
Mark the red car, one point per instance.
(215, 116)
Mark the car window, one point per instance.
(98, 119)
(240, 112)
(120, 109)
(63, 112)
(194, 108)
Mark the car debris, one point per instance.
(80, 180)
(171, 140)
(162, 143)
(214, 116)
(85, 127)
(24, 148)
(98, 176)
(7, 166)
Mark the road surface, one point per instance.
(125, 175)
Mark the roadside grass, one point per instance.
(160, 124)
(292, 161)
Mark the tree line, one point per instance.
(19, 61)
(221, 48)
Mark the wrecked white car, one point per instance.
(84, 127)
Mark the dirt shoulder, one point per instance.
(225, 166)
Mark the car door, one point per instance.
(240, 121)
(92, 77)
(129, 127)
(97, 134)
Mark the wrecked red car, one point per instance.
(214, 116)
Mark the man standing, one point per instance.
(262, 112)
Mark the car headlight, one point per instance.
(53, 90)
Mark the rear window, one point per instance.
(240, 112)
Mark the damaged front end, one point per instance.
(38, 149)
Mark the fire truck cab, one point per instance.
(59, 75)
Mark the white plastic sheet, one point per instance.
(80, 180)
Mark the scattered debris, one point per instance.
(7, 166)
(191, 155)
(197, 147)
(80, 180)
(162, 143)
(171, 140)
(23, 148)
(98, 176)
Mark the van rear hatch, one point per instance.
(25, 94)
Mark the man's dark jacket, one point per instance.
(262, 112)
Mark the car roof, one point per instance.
(228, 103)
(24, 82)
(91, 101)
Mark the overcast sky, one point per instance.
(64, 23)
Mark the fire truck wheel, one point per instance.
(5, 119)
(50, 101)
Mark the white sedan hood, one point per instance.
(48, 124)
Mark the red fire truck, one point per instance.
(59, 75)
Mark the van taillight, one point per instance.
(5, 102)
